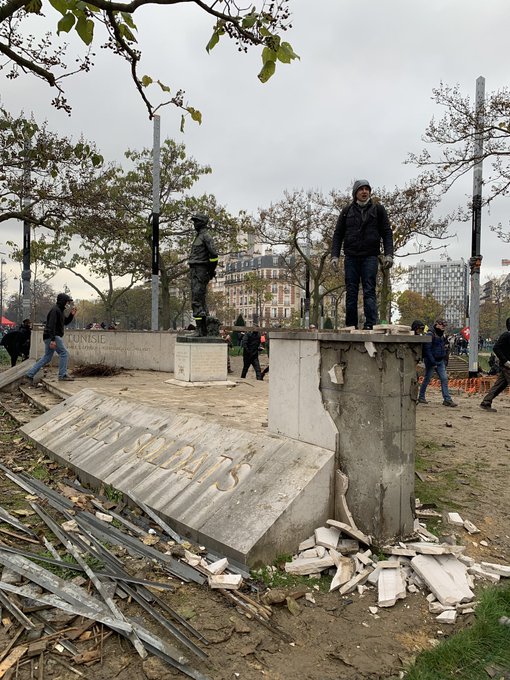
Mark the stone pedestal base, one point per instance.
(356, 394)
(200, 359)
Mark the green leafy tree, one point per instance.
(413, 306)
(300, 228)
(258, 290)
(58, 169)
(178, 175)
(258, 24)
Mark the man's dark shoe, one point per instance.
(488, 407)
(450, 403)
(28, 380)
(67, 378)
(422, 400)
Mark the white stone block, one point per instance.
(307, 544)
(455, 519)
(390, 587)
(344, 573)
(437, 579)
(327, 537)
(449, 616)
(309, 566)
(501, 569)
(200, 362)
(225, 581)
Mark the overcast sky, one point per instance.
(355, 105)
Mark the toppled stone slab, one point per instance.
(438, 580)
(244, 495)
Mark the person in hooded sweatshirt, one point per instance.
(435, 357)
(360, 228)
(502, 350)
(53, 336)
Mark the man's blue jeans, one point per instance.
(440, 369)
(62, 352)
(364, 270)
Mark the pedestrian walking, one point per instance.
(435, 357)
(360, 228)
(502, 350)
(251, 344)
(53, 336)
(17, 343)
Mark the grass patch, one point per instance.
(469, 653)
(112, 494)
(40, 472)
(441, 484)
(67, 574)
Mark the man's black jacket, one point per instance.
(361, 229)
(55, 322)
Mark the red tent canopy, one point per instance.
(6, 322)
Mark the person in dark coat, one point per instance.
(203, 261)
(360, 228)
(251, 344)
(502, 350)
(17, 343)
(53, 336)
(435, 356)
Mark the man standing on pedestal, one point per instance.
(203, 261)
(361, 227)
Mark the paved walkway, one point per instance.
(243, 406)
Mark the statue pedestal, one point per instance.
(200, 359)
(354, 394)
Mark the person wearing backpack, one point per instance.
(360, 228)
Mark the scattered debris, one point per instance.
(96, 370)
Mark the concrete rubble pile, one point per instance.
(439, 570)
(82, 526)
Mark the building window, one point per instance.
(273, 312)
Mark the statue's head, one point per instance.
(200, 221)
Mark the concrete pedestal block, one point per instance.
(200, 359)
(341, 393)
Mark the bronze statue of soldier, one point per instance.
(203, 261)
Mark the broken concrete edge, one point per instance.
(357, 336)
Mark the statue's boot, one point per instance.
(201, 323)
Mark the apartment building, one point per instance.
(447, 282)
(266, 296)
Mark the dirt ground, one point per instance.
(464, 464)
